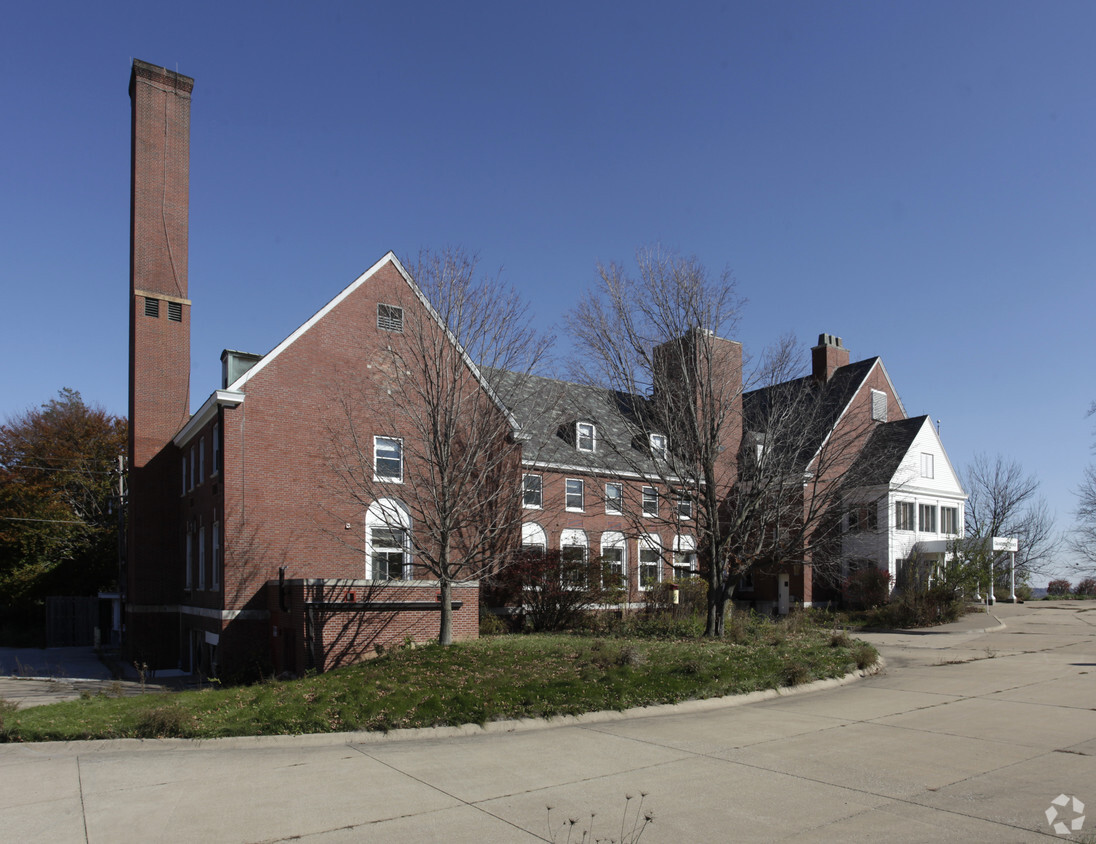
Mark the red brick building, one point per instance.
(245, 552)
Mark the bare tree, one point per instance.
(806, 461)
(1004, 502)
(1082, 541)
(654, 338)
(452, 460)
(763, 483)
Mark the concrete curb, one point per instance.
(420, 733)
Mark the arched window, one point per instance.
(650, 560)
(533, 537)
(387, 541)
(614, 560)
(684, 557)
(574, 548)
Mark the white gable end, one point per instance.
(926, 467)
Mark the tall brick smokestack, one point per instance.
(159, 356)
(159, 320)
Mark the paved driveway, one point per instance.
(967, 736)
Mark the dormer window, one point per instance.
(585, 436)
(658, 445)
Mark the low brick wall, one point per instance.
(322, 624)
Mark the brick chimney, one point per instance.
(159, 318)
(159, 356)
(827, 356)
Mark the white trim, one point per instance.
(567, 494)
(619, 501)
(219, 398)
(387, 479)
(533, 534)
(592, 471)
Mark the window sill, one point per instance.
(379, 480)
(575, 510)
(531, 507)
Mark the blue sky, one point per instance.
(915, 177)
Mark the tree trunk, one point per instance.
(445, 636)
(713, 626)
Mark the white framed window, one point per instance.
(585, 436)
(573, 549)
(193, 480)
(614, 565)
(949, 520)
(390, 318)
(533, 537)
(216, 467)
(903, 515)
(928, 468)
(387, 540)
(201, 558)
(388, 459)
(685, 564)
(878, 406)
(531, 491)
(650, 501)
(614, 499)
(926, 518)
(684, 507)
(574, 493)
(201, 460)
(658, 445)
(184, 475)
(650, 561)
(215, 578)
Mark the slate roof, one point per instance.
(826, 402)
(888, 444)
(546, 410)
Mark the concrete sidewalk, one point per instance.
(966, 736)
(38, 676)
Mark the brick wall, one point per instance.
(159, 349)
(323, 624)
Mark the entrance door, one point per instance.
(783, 599)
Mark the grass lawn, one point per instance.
(494, 678)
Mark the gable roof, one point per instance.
(885, 449)
(389, 258)
(829, 401)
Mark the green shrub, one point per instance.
(491, 625)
